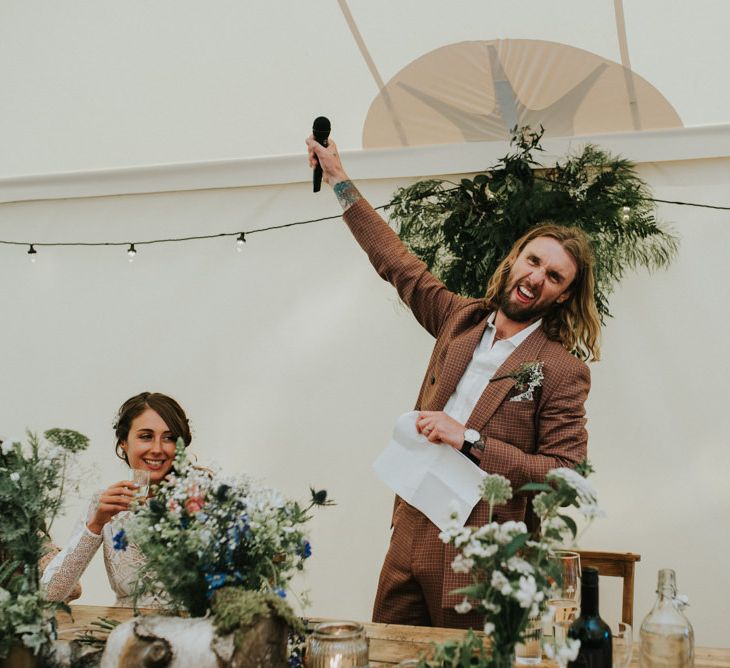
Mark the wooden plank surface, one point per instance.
(389, 643)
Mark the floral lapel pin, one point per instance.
(527, 378)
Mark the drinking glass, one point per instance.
(566, 600)
(529, 651)
(337, 645)
(622, 640)
(142, 478)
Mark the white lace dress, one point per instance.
(122, 566)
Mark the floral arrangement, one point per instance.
(33, 477)
(203, 531)
(512, 574)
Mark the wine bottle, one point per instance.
(594, 634)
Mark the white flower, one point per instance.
(476, 549)
(7, 447)
(568, 652)
(490, 607)
(462, 564)
(527, 592)
(15, 476)
(463, 607)
(586, 492)
(518, 565)
(591, 511)
(549, 615)
(488, 628)
(499, 581)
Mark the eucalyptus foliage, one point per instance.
(463, 230)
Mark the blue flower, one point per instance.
(280, 592)
(215, 581)
(306, 550)
(119, 540)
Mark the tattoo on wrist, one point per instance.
(347, 194)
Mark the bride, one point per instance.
(147, 428)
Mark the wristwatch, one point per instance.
(472, 439)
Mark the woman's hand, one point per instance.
(113, 500)
(329, 159)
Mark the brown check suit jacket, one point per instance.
(524, 439)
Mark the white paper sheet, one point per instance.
(436, 479)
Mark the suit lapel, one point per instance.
(494, 394)
(459, 354)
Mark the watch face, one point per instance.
(471, 435)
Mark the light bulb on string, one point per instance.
(32, 254)
(625, 213)
(131, 252)
(240, 241)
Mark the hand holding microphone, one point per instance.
(321, 132)
(323, 155)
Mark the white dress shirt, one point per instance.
(488, 356)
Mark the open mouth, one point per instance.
(524, 294)
(154, 464)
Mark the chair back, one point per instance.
(620, 565)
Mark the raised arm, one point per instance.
(65, 570)
(429, 300)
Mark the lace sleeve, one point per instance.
(65, 570)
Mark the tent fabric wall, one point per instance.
(142, 120)
(293, 360)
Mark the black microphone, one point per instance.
(321, 131)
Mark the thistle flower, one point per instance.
(496, 489)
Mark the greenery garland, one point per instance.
(462, 231)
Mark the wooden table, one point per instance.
(389, 643)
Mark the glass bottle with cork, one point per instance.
(667, 638)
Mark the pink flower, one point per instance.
(194, 505)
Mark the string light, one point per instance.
(241, 236)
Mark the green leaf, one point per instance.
(515, 544)
(571, 524)
(536, 487)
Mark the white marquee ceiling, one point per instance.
(109, 84)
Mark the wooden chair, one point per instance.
(616, 564)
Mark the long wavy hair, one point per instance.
(575, 322)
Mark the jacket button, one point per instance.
(433, 380)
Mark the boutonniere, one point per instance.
(527, 378)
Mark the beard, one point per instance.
(521, 312)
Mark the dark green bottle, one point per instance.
(594, 634)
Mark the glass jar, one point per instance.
(337, 645)
(667, 638)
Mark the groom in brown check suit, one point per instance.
(538, 308)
